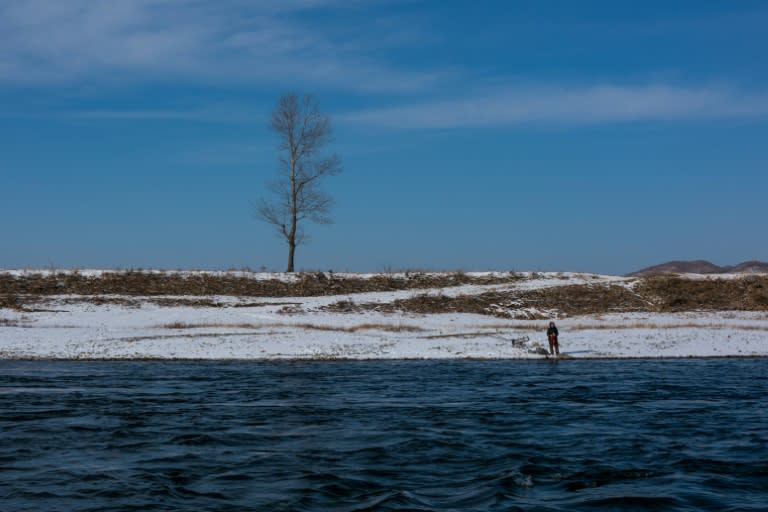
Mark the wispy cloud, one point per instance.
(228, 41)
(548, 104)
(212, 113)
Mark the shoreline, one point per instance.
(474, 316)
(378, 360)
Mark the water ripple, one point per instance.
(325, 436)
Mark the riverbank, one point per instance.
(377, 316)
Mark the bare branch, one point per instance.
(272, 214)
(303, 131)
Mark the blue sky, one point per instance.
(589, 136)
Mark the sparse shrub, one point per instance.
(178, 325)
(290, 310)
(10, 302)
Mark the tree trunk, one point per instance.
(292, 238)
(291, 250)
(294, 213)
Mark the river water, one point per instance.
(402, 435)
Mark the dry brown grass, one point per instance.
(12, 302)
(22, 303)
(132, 339)
(305, 285)
(651, 294)
(674, 293)
(652, 325)
(570, 300)
(309, 326)
(659, 293)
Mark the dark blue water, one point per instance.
(325, 436)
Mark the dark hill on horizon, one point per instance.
(703, 267)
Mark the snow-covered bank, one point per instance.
(76, 327)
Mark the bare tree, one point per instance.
(303, 132)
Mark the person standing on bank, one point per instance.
(554, 348)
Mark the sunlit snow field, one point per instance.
(296, 328)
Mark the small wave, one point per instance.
(38, 390)
(194, 439)
(631, 503)
(335, 437)
(606, 476)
